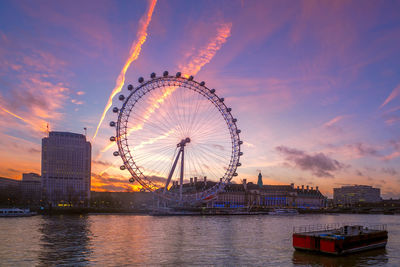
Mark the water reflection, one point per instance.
(65, 240)
(129, 240)
(368, 258)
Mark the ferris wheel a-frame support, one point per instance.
(181, 146)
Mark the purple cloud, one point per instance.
(363, 149)
(390, 171)
(319, 164)
(359, 173)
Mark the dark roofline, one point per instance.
(55, 133)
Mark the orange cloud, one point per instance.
(134, 54)
(394, 155)
(39, 126)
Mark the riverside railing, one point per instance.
(335, 226)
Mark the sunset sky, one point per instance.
(315, 85)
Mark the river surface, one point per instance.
(131, 240)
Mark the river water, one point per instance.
(131, 240)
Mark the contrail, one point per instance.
(207, 53)
(393, 95)
(15, 115)
(134, 54)
(192, 68)
(33, 125)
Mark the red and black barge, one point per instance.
(339, 239)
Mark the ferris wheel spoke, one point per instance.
(158, 123)
(210, 170)
(172, 114)
(213, 155)
(143, 122)
(206, 162)
(198, 168)
(193, 115)
(209, 115)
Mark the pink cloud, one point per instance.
(393, 95)
(333, 121)
(77, 102)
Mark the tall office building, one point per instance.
(66, 168)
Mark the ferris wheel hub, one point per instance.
(183, 142)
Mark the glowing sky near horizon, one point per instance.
(315, 85)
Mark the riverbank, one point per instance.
(213, 211)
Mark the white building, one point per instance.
(66, 168)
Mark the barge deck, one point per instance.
(338, 239)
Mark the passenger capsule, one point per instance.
(116, 153)
(190, 78)
(165, 74)
(178, 75)
(121, 97)
(122, 167)
(229, 109)
(240, 142)
(153, 75)
(234, 120)
(222, 99)
(112, 138)
(130, 87)
(115, 110)
(212, 91)
(240, 153)
(131, 180)
(140, 79)
(112, 123)
(235, 174)
(202, 83)
(238, 131)
(239, 164)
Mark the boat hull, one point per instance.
(339, 244)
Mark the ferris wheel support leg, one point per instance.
(181, 178)
(172, 171)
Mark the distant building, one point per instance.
(269, 196)
(31, 188)
(349, 195)
(66, 168)
(258, 195)
(10, 191)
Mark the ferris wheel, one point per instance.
(177, 138)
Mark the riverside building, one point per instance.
(66, 168)
(350, 195)
(258, 195)
(31, 188)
